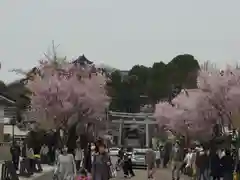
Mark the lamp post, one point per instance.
(13, 123)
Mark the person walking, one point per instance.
(30, 156)
(101, 164)
(202, 164)
(127, 166)
(130, 168)
(15, 152)
(166, 153)
(228, 164)
(44, 154)
(215, 166)
(56, 154)
(52, 154)
(66, 168)
(78, 156)
(188, 163)
(158, 158)
(120, 155)
(88, 156)
(120, 159)
(150, 161)
(176, 158)
(161, 149)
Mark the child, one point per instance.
(83, 175)
(126, 166)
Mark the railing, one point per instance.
(4, 173)
(8, 171)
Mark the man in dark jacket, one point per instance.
(121, 153)
(15, 152)
(127, 166)
(215, 166)
(202, 163)
(228, 164)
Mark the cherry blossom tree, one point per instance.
(170, 117)
(198, 115)
(222, 92)
(62, 89)
(185, 116)
(215, 102)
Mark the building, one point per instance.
(9, 130)
(82, 60)
(7, 110)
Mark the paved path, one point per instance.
(162, 174)
(47, 172)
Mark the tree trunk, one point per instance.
(59, 141)
(71, 138)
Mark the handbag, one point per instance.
(55, 176)
(55, 172)
(235, 176)
(113, 172)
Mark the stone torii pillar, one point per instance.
(120, 133)
(147, 134)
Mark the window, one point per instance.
(114, 149)
(140, 153)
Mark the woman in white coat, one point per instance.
(66, 168)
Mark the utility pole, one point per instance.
(13, 123)
(107, 120)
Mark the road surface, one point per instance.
(161, 174)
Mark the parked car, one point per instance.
(113, 151)
(129, 151)
(138, 158)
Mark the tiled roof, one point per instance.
(82, 60)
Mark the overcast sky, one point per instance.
(120, 33)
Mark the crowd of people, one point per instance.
(26, 160)
(203, 164)
(93, 160)
(93, 163)
(197, 162)
(124, 162)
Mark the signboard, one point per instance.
(132, 133)
(132, 142)
(236, 120)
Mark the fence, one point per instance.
(8, 171)
(4, 173)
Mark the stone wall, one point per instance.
(5, 151)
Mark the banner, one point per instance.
(236, 120)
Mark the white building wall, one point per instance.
(1, 123)
(2, 114)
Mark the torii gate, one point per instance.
(147, 120)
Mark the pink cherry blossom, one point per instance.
(169, 116)
(60, 90)
(190, 100)
(216, 101)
